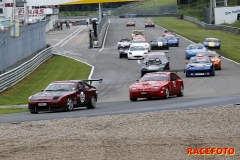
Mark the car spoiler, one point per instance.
(91, 80)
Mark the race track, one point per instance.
(118, 74)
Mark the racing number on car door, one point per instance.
(173, 80)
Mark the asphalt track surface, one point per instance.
(118, 74)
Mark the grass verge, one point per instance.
(151, 3)
(55, 68)
(229, 42)
(12, 110)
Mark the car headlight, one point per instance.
(134, 88)
(30, 98)
(55, 97)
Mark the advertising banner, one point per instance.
(226, 14)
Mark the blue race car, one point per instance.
(212, 43)
(172, 40)
(193, 49)
(200, 66)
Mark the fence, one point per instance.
(229, 29)
(32, 39)
(13, 76)
(101, 30)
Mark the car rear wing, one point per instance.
(91, 80)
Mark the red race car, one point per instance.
(168, 32)
(131, 22)
(149, 23)
(157, 84)
(64, 95)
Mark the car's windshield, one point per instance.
(149, 21)
(61, 87)
(154, 57)
(200, 60)
(141, 41)
(211, 40)
(207, 54)
(130, 21)
(124, 40)
(154, 78)
(137, 48)
(195, 47)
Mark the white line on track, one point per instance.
(67, 36)
(73, 36)
(105, 36)
(138, 61)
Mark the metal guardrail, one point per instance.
(14, 76)
(101, 30)
(229, 29)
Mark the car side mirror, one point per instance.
(137, 80)
(168, 57)
(186, 62)
(42, 90)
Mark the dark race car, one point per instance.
(159, 43)
(123, 51)
(200, 66)
(64, 95)
(124, 42)
(130, 22)
(149, 23)
(154, 62)
(157, 84)
(212, 43)
(172, 40)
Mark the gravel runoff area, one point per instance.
(159, 135)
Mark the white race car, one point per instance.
(143, 43)
(124, 43)
(136, 52)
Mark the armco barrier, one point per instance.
(102, 27)
(229, 29)
(13, 76)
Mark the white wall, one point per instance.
(226, 14)
(49, 25)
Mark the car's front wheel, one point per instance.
(181, 93)
(34, 112)
(91, 103)
(133, 99)
(166, 93)
(69, 105)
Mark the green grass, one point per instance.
(12, 110)
(229, 42)
(54, 69)
(151, 3)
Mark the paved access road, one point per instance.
(118, 74)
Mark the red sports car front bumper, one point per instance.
(146, 94)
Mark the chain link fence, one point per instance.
(32, 39)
